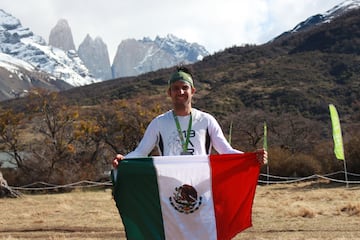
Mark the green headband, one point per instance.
(181, 76)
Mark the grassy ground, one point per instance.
(313, 210)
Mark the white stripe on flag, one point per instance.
(199, 224)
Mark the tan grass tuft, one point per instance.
(305, 213)
(351, 209)
(301, 210)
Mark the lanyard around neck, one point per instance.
(185, 142)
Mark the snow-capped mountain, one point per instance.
(92, 52)
(327, 16)
(17, 77)
(134, 57)
(181, 49)
(21, 43)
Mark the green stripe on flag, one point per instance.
(337, 136)
(139, 206)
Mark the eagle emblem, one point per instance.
(185, 199)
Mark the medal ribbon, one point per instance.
(185, 142)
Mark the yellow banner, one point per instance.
(337, 136)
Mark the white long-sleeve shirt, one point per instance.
(162, 132)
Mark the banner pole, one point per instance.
(265, 146)
(230, 131)
(346, 176)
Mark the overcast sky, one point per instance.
(215, 24)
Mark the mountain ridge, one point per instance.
(134, 57)
(273, 76)
(248, 66)
(57, 67)
(49, 64)
(287, 83)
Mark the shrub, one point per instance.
(283, 163)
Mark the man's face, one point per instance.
(181, 92)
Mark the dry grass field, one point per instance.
(307, 210)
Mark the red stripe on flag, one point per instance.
(234, 180)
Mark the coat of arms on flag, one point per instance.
(185, 199)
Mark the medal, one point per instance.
(185, 153)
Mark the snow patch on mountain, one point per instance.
(326, 17)
(135, 57)
(20, 43)
(13, 64)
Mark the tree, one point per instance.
(52, 151)
(296, 133)
(10, 124)
(352, 152)
(248, 130)
(122, 123)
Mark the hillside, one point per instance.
(299, 72)
(287, 82)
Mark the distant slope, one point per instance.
(294, 73)
(17, 77)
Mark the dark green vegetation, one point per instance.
(299, 72)
(288, 83)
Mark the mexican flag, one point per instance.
(186, 197)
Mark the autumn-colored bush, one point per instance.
(284, 163)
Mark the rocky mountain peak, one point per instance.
(95, 55)
(8, 22)
(61, 36)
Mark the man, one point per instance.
(183, 130)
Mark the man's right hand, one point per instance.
(116, 160)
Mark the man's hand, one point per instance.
(116, 160)
(262, 156)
